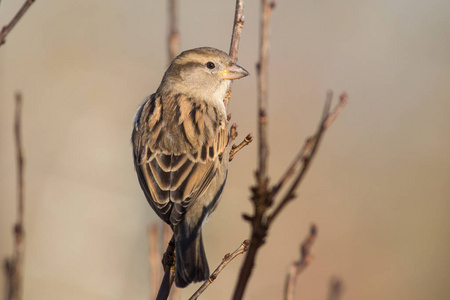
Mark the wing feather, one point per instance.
(176, 160)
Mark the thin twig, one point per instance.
(13, 265)
(235, 38)
(7, 28)
(169, 271)
(309, 143)
(227, 259)
(236, 148)
(260, 198)
(262, 68)
(237, 29)
(234, 48)
(308, 152)
(298, 266)
(174, 37)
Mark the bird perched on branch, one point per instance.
(179, 144)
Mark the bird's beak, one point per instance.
(234, 72)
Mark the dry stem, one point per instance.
(236, 148)
(13, 265)
(263, 195)
(306, 154)
(7, 28)
(237, 29)
(260, 191)
(298, 266)
(235, 38)
(227, 259)
(169, 271)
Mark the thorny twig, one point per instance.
(228, 258)
(7, 28)
(298, 266)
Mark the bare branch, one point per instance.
(174, 37)
(260, 192)
(298, 266)
(262, 66)
(307, 154)
(13, 265)
(237, 29)
(235, 38)
(235, 149)
(7, 28)
(169, 271)
(227, 258)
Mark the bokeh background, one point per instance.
(378, 189)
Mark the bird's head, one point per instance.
(204, 73)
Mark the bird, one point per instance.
(179, 141)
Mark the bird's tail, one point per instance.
(191, 263)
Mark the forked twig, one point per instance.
(306, 154)
(227, 259)
(236, 148)
(7, 28)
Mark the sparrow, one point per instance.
(179, 141)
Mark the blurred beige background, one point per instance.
(378, 189)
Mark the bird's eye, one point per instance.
(210, 65)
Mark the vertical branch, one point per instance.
(13, 266)
(262, 66)
(20, 164)
(7, 28)
(174, 37)
(19, 232)
(235, 38)
(261, 195)
(237, 29)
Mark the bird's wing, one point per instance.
(177, 158)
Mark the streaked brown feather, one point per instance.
(177, 159)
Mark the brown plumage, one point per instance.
(179, 145)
